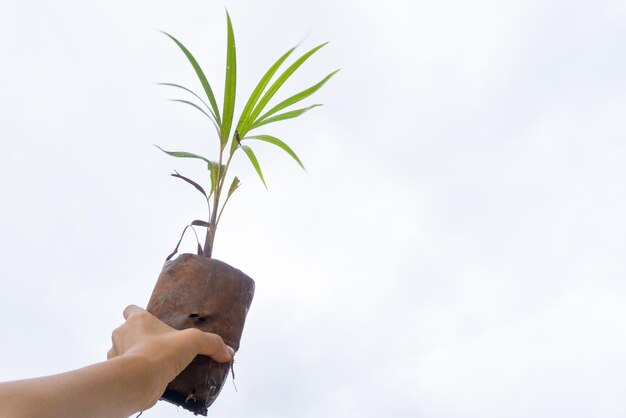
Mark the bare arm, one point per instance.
(146, 355)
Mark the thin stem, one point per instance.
(222, 179)
(219, 216)
(222, 209)
(213, 217)
(211, 230)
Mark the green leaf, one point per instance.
(190, 91)
(203, 80)
(214, 170)
(276, 85)
(230, 85)
(278, 143)
(297, 97)
(233, 186)
(254, 162)
(258, 90)
(283, 116)
(234, 143)
(200, 109)
(184, 154)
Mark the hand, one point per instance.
(168, 351)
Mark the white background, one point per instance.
(455, 248)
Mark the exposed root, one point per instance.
(191, 396)
(232, 371)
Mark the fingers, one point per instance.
(131, 309)
(212, 345)
(205, 343)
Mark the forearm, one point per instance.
(115, 388)
(146, 355)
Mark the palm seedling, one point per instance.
(255, 114)
(198, 290)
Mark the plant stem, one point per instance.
(212, 228)
(213, 218)
(208, 242)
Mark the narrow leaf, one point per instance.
(193, 183)
(260, 87)
(283, 116)
(254, 162)
(200, 109)
(235, 142)
(190, 91)
(198, 222)
(177, 244)
(298, 97)
(278, 143)
(214, 170)
(233, 186)
(230, 85)
(203, 80)
(183, 154)
(181, 239)
(276, 85)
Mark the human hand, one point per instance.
(166, 350)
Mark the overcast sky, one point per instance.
(455, 249)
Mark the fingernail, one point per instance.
(230, 351)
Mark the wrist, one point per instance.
(144, 379)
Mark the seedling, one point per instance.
(253, 116)
(198, 291)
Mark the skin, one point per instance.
(146, 355)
